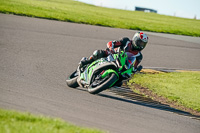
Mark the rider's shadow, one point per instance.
(127, 95)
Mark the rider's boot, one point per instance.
(86, 61)
(97, 54)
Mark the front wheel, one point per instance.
(72, 80)
(103, 84)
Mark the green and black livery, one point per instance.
(103, 73)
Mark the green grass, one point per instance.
(73, 11)
(16, 122)
(182, 87)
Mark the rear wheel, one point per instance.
(100, 84)
(72, 80)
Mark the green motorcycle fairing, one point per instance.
(100, 64)
(122, 59)
(107, 64)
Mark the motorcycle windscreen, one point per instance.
(131, 60)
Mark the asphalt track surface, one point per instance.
(37, 54)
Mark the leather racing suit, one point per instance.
(111, 47)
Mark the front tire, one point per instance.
(72, 80)
(105, 85)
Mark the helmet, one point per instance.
(139, 41)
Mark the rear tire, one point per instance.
(72, 80)
(105, 85)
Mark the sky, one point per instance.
(179, 8)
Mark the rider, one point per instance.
(135, 46)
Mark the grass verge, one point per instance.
(73, 11)
(180, 87)
(16, 122)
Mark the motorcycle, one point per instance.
(104, 72)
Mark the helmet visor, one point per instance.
(141, 44)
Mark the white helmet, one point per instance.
(139, 41)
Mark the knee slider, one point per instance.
(139, 58)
